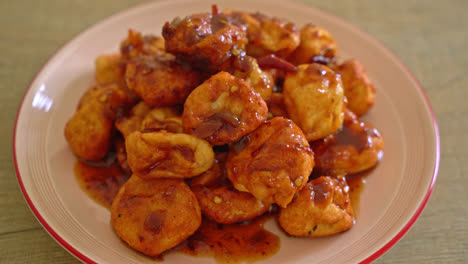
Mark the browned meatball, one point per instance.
(358, 87)
(355, 147)
(223, 109)
(207, 41)
(314, 100)
(220, 201)
(89, 131)
(155, 215)
(321, 208)
(317, 45)
(160, 80)
(272, 163)
(265, 35)
(167, 155)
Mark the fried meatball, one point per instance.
(109, 69)
(163, 118)
(321, 208)
(354, 148)
(206, 40)
(262, 82)
(167, 155)
(358, 88)
(314, 100)
(89, 131)
(137, 46)
(276, 107)
(265, 35)
(317, 45)
(155, 215)
(272, 163)
(116, 98)
(220, 201)
(160, 80)
(223, 109)
(132, 122)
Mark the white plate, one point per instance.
(395, 194)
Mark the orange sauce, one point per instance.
(233, 243)
(356, 183)
(100, 183)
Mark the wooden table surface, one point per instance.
(430, 37)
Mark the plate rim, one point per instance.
(82, 257)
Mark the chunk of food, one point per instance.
(206, 41)
(89, 131)
(321, 208)
(358, 87)
(266, 35)
(155, 215)
(167, 155)
(109, 69)
(317, 45)
(247, 68)
(163, 118)
(132, 122)
(314, 100)
(356, 147)
(137, 46)
(223, 109)
(272, 163)
(160, 80)
(220, 201)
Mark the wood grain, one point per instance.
(430, 37)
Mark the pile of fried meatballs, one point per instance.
(226, 115)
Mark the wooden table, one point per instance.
(430, 37)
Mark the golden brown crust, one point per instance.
(314, 100)
(265, 35)
(155, 215)
(167, 155)
(315, 42)
(358, 87)
(321, 208)
(272, 163)
(223, 109)
(89, 130)
(109, 69)
(204, 40)
(160, 80)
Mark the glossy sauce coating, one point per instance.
(100, 183)
(355, 147)
(234, 243)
